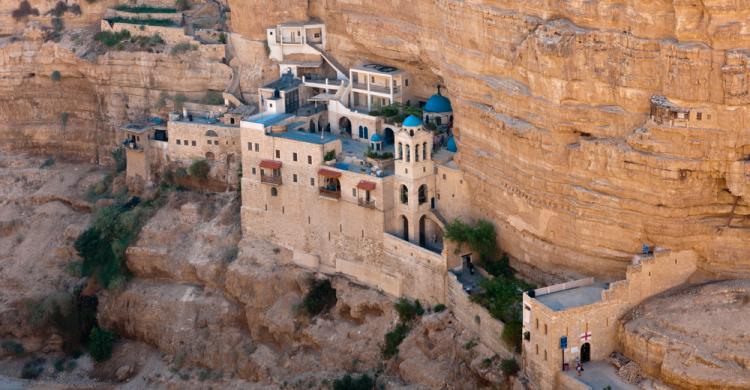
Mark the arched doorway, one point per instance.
(389, 136)
(405, 228)
(345, 126)
(585, 352)
(210, 156)
(422, 194)
(430, 235)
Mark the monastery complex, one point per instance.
(354, 193)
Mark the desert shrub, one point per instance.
(408, 311)
(32, 368)
(222, 37)
(147, 42)
(499, 268)
(230, 254)
(179, 101)
(512, 335)
(481, 236)
(199, 169)
(320, 298)
(24, 10)
(48, 162)
(61, 8)
(182, 5)
(181, 48)
(161, 102)
(379, 156)
(509, 367)
(111, 39)
(121, 162)
(330, 155)
(13, 347)
(438, 308)
(100, 344)
(55, 75)
(393, 339)
(471, 344)
(213, 98)
(348, 382)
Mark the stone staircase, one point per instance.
(340, 69)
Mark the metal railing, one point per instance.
(333, 194)
(271, 179)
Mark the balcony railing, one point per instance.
(359, 86)
(370, 204)
(271, 179)
(379, 88)
(333, 194)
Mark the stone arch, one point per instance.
(404, 228)
(416, 153)
(404, 194)
(430, 234)
(211, 133)
(345, 125)
(274, 191)
(422, 194)
(389, 136)
(210, 156)
(424, 151)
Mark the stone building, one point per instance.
(578, 320)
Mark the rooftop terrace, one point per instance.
(301, 136)
(268, 118)
(573, 297)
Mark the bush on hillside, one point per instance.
(111, 39)
(348, 382)
(320, 299)
(199, 169)
(509, 367)
(408, 311)
(100, 344)
(24, 10)
(393, 339)
(181, 48)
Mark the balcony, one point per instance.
(360, 86)
(332, 194)
(370, 204)
(271, 179)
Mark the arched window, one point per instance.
(361, 132)
(411, 133)
(424, 151)
(408, 153)
(274, 191)
(400, 151)
(211, 133)
(366, 133)
(422, 195)
(404, 194)
(416, 152)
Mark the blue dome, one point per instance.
(376, 138)
(452, 147)
(438, 103)
(412, 121)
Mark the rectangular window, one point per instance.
(253, 171)
(294, 177)
(257, 147)
(294, 156)
(209, 142)
(250, 146)
(278, 153)
(312, 181)
(178, 142)
(309, 160)
(216, 142)
(354, 192)
(699, 116)
(194, 143)
(406, 82)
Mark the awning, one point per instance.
(366, 185)
(270, 164)
(329, 173)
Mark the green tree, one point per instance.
(100, 344)
(199, 169)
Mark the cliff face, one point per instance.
(77, 116)
(552, 103)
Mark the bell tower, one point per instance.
(415, 178)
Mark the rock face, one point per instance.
(695, 338)
(235, 312)
(550, 98)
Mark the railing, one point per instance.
(271, 179)
(366, 203)
(380, 89)
(359, 86)
(320, 80)
(333, 194)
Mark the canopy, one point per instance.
(329, 173)
(366, 185)
(270, 164)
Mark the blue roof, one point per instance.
(438, 103)
(376, 138)
(267, 119)
(452, 147)
(412, 121)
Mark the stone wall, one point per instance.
(170, 35)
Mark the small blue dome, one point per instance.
(452, 147)
(438, 103)
(412, 121)
(376, 138)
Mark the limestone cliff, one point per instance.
(552, 102)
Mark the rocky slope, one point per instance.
(194, 301)
(695, 338)
(549, 99)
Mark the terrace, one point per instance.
(561, 297)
